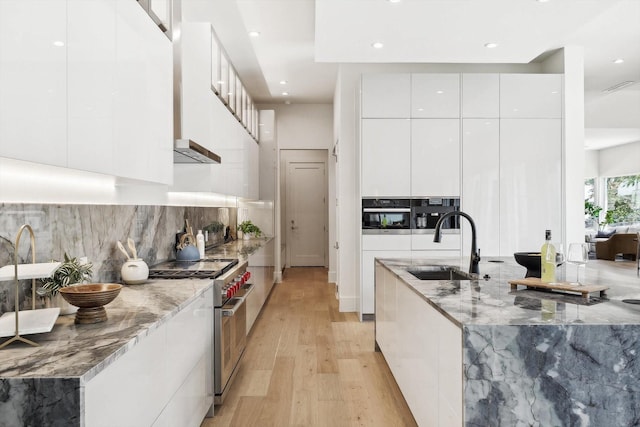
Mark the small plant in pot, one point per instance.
(70, 272)
(249, 229)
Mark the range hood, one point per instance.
(188, 151)
(185, 150)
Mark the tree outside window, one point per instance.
(623, 199)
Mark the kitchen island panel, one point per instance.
(549, 375)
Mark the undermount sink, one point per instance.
(438, 272)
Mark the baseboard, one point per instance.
(348, 304)
(277, 277)
(368, 317)
(332, 277)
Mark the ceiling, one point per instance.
(302, 42)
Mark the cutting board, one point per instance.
(535, 282)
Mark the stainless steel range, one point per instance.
(230, 289)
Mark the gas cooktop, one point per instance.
(207, 268)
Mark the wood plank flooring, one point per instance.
(307, 364)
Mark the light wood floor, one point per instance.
(307, 364)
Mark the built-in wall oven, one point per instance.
(386, 216)
(426, 211)
(230, 289)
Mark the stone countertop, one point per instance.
(491, 301)
(240, 248)
(82, 351)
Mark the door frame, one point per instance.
(302, 156)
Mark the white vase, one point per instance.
(134, 272)
(65, 307)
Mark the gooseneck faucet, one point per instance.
(475, 253)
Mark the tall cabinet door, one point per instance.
(386, 95)
(481, 183)
(435, 157)
(435, 95)
(386, 158)
(530, 182)
(33, 81)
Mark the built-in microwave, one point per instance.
(426, 211)
(386, 216)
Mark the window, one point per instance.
(623, 199)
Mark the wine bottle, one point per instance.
(548, 259)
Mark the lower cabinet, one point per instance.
(164, 380)
(423, 349)
(261, 267)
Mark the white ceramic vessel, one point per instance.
(135, 271)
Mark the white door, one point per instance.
(306, 213)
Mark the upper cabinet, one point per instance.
(386, 95)
(86, 84)
(435, 157)
(435, 95)
(532, 96)
(33, 81)
(386, 158)
(480, 96)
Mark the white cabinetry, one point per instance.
(435, 95)
(435, 157)
(168, 375)
(378, 246)
(531, 96)
(423, 350)
(530, 182)
(386, 95)
(33, 81)
(86, 84)
(481, 95)
(261, 267)
(209, 122)
(481, 183)
(386, 157)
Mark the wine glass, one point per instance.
(578, 254)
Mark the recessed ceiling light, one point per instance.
(554, 92)
(285, 93)
(542, 1)
(377, 45)
(394, 1)
(254, 33)
(58, 43)
(420, 109)
(490, 45)
(283, 82)
(439, 92)
(618, 61)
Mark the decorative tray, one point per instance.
(28, 271)
(31, 321)
(584, 290)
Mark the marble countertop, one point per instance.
(82, 351)
(492, 302)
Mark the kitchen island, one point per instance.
(139, 365)
(476, 353)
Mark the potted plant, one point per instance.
(70, 272)
(249, 229)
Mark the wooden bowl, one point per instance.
(91, 299)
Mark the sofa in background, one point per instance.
(624, 241)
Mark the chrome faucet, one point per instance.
(475, 253)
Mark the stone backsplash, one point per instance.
(92, 231)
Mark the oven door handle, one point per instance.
(247, 290)
(386, 210)
(231, 311)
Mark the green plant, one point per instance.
(622, 211)
(247, 227)
(591, 209)
(70, 271)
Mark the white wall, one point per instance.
(620, 160)
(303, 126)
(591, 163)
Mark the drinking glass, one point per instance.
(578, 254)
